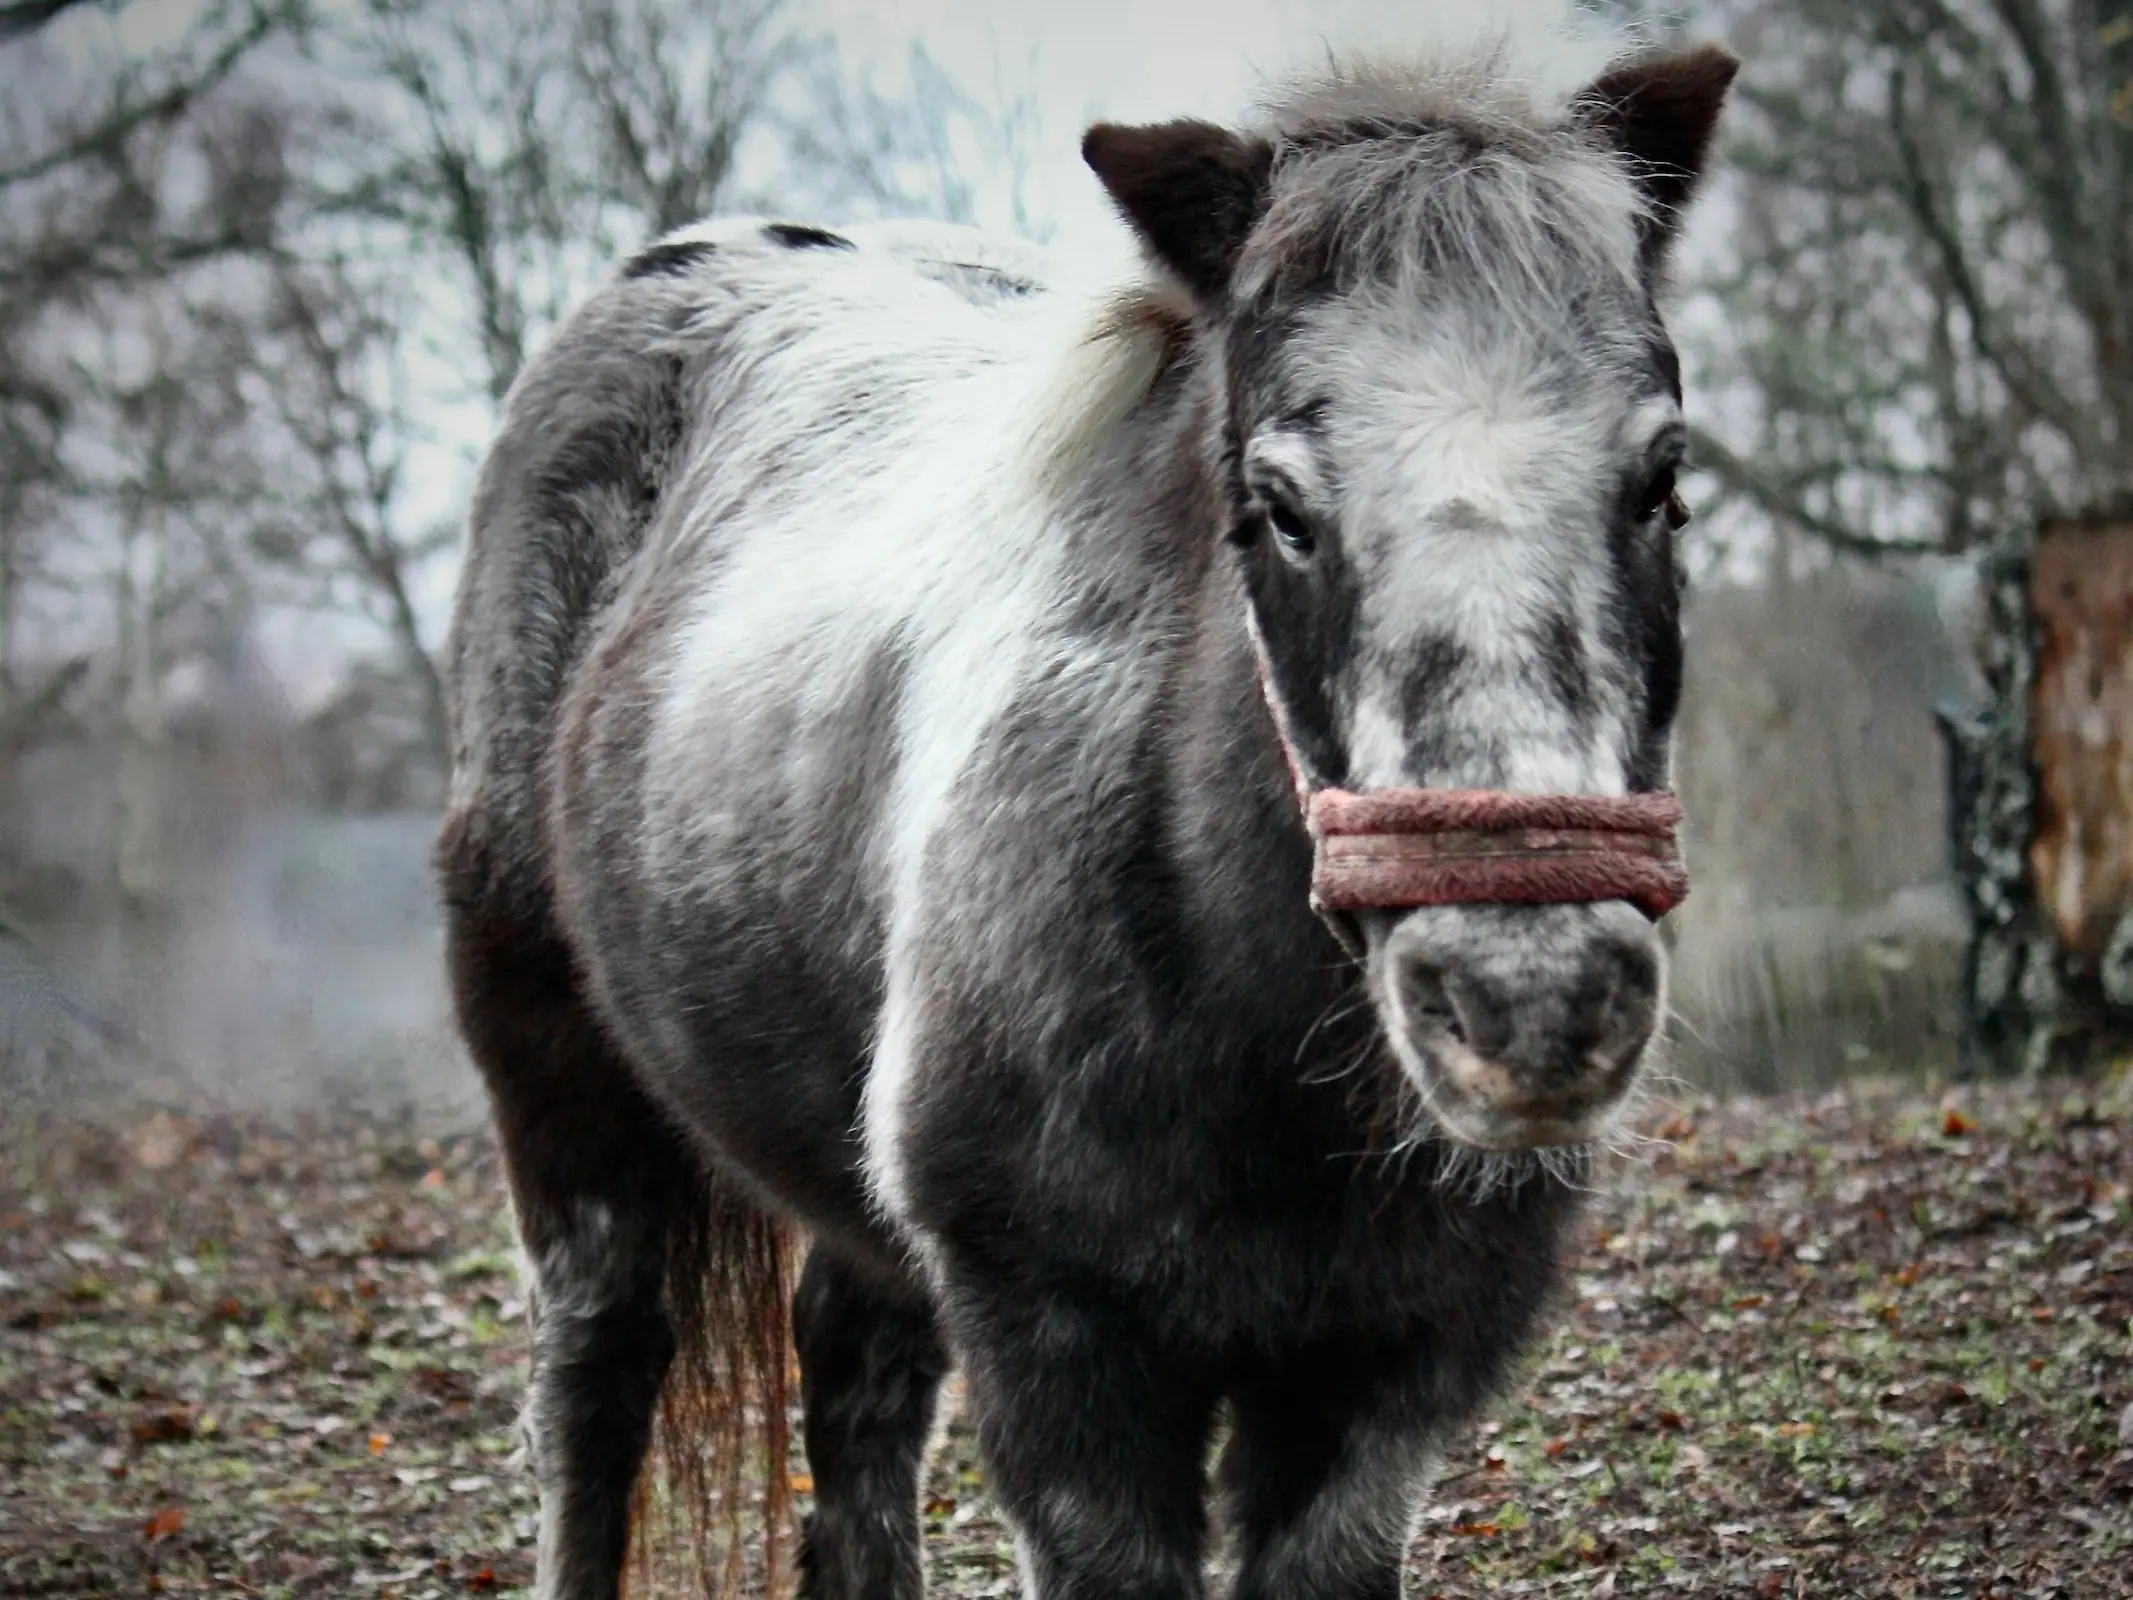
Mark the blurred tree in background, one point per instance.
(262, 283)
(1924, 346)
(1929, 310)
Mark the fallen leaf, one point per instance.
(1957, 1126)
(378, 1442)
(801, 1482)
(164, 1425)
(166, 1521)
(162, 1141)
(1477, 1530)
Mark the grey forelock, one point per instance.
(1456, 171)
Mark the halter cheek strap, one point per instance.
(1395, 849)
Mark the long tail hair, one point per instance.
(722, 1409)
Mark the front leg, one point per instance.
(1093, 1440)
(1323, 1474)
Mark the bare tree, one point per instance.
(1929, 311)
(926, 146)
(522, 146)
(87, 225)
(351, 226)
(1928, 344)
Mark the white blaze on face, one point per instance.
(1479, 464)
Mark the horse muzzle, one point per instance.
(1511, 946)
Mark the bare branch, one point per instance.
(1784, 501)
(24, 17)
(107, 136)
(2033, 388)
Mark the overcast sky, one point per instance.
(1131, 60)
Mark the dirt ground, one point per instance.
(1872, 1344)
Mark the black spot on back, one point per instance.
(669, 260)
(799, 236)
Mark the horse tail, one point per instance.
(722, 1418)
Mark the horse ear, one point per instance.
(1192, 191)
(1661, 111)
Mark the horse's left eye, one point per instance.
(1658, 495)
(1291, 529)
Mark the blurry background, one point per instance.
(267, 267)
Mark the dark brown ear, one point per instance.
(1661, 112)
(1192, 191)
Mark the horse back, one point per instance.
(710, 677)
(593, 452)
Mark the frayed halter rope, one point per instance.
(1401, 848)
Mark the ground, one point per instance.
(1875, 1343)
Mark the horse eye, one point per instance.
(1658, 494)
(1289, 529)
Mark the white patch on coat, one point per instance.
(929, 528)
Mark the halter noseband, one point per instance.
(1401, 848)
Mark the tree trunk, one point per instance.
(140, 849)
(2035, 998)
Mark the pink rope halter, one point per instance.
(1400, 848)
(1444, 847)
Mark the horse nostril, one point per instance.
(1429, 1000)
(1630, 1014)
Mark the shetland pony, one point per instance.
(882, 681)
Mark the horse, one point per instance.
(904, 701)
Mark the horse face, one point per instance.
(1451, 424)
(1455, 521)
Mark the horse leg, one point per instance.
(1322, 1475)
(596, 1177)
(871, 1364)
(1093, 1440)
